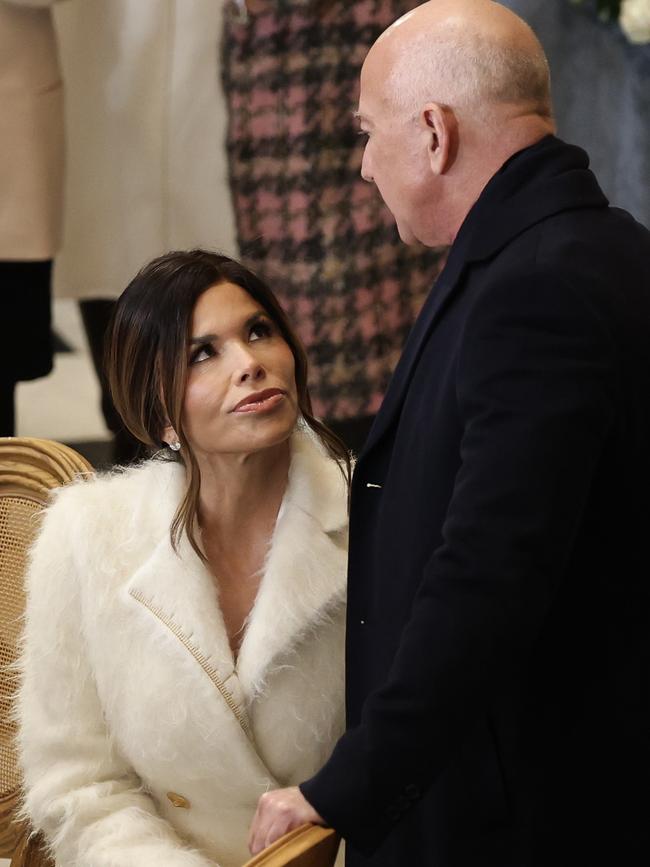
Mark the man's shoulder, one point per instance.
(585, 245)
(601, 250)
(586, 268)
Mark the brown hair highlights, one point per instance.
(146, 359)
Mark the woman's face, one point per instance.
(241, 394)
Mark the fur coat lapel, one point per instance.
(305, 575)
(303, 581)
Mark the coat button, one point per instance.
(178, 800)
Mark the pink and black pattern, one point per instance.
(306, 220)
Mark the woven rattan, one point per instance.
(18, 519)
(29, 470)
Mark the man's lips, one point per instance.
(260, 400)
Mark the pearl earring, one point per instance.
(175, 446)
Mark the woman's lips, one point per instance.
(265, 401)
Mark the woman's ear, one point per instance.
(170, 437)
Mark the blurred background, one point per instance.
(131, 127)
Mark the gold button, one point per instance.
(178, 800)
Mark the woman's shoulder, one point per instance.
(100, 525)
(106, 498)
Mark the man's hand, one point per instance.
(277, 813)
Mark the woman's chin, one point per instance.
(254, 435)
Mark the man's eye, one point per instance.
(202, 353)
(261, 329)
(364, 132)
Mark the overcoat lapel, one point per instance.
(508, 206)
(432, 309)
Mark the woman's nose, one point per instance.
(249, 367)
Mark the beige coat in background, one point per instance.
(145, 125)
(143, 743)
(31, 133)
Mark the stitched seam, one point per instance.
(200, 658)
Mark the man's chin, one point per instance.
(406, 235)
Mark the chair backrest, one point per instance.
(29, 470)
(306, 846)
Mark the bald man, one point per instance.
(498, 645)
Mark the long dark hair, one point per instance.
(146, 359)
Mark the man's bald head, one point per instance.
(474, 55)
(448, 93)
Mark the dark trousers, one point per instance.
(96, 315)
(7, 409)
(25, 334)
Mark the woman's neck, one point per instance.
(241, 494)
(238, 508)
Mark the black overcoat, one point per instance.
(499, 605)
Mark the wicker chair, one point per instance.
(29, 469)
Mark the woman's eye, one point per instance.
(202, 353)
(261, 329)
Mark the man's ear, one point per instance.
(441, 127)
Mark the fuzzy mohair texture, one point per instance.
(130, 695)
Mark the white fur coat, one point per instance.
(142, 743)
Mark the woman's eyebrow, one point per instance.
(202, 338)
(208, 338)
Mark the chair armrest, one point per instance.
(306, 846)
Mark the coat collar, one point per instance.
(303, 581)
(537, 182)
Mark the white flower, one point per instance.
(635, 20)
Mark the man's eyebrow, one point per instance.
(358, 116)
(209, 338)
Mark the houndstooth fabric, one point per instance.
(306, 221)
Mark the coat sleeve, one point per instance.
(537, 391)
(78, 790)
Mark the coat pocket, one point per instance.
(486, 806)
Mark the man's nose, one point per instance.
(366, 172)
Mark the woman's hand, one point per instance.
(279, 812)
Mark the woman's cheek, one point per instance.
(290, 369)
(198, 399)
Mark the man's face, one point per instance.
(395, 158)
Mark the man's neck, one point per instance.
(518, 134)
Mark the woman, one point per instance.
(183, 646)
